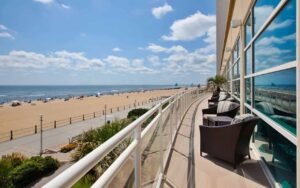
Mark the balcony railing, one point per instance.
(144, 160)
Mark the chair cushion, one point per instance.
(205, 116)
(222, 97)
(225, 106)
(230, 99)
(265, 107)
(241, 118)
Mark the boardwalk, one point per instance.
(53, 139)
(187, 169)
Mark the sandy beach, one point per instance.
(27, 115)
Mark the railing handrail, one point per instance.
(81, 167)
(71, 175)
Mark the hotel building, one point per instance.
(258, 52)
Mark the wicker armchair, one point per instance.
(223, 108)
(229, 142)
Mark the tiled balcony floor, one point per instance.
(186, 168)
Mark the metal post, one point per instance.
(105, 114)
(111, 110)
(161, 139)
(83, 117)
(70, 120)
(171, 122)
(137, 158)
(35, 129)
(41, 124)
(11, 135)
(94, 114)
(54, 124)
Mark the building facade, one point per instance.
(258, 52)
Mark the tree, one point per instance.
(216, 81)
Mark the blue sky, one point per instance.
(106, 42)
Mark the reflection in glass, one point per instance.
(278, 153)
(262, 10)
(277, 44)
(237, 48)
(236, 70)
(236, 88)
(248, 29)
(248, 90)
(275, 96)
(249, 61)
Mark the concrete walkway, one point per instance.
(53, 139)
(187, 168)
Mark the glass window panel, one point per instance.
(248, 29)
(236, 70)
(278, 153)
(248, 90)
(277, 44)
(238, 48)
(262, 11)
(248, 61)
(234, 54)
(236, 88)
(275, 96)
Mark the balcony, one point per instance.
(165, 153)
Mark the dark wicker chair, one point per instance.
(215, 99)
(218, 110)
(229, 142)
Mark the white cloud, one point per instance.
(155, 48)
(192, 27)
(262, 13)
(65, 6)
(3, 27)
(44, 1)
(279, 25)
(154, 60)
(117, 62)
(6, 35)
(116, 49)
(159, 12)
(124, 65)
(5, 32)
(59, 59)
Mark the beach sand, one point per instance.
(27, 115)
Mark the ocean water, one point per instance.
(24, 93)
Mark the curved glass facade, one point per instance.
(270, 83)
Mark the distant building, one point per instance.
(258, 52)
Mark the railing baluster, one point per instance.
(137, 158)
(160, 124)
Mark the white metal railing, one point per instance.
(170, 116)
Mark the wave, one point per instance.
(3, 95)
(35, 95)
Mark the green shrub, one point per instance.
(32, 169)
(5, 168)
(135, 113)
(15, 158)
(24, 174)
(92, 139)
(68, 147)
